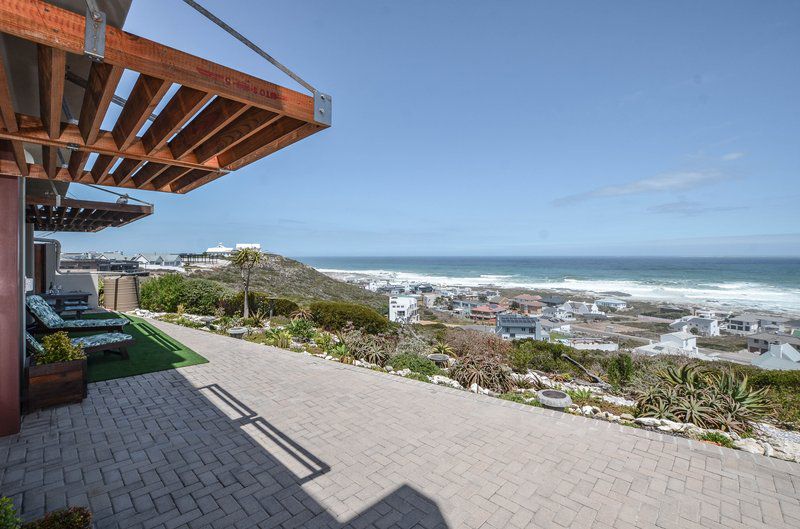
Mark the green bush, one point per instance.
(538, 355)
(59, 348)
(335, 316)
(162, 293)
(233, 304)
(717, 438)
(620, 369)
(418, 376)
(167, 292)
(8, 515)
(416, 363)
(71, 518)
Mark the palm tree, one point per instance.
(246, 259)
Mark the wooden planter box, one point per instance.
(56, 384)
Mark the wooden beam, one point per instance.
(52, 65)
(47, 24)
(183, 105)
(32, 130)
(250, 122)
(125, 169)
(211, 120)
(146, 174)
(101, 166)
(77, 159)
(258, 141)
(103, 80)
(145, 95)
(165, 179)
(10, 120)
(49, 200)
(188, 179)
(284, 141)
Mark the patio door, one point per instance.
(40, 268)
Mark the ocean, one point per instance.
(762, 284)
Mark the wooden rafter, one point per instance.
(216, 121)
(52, 65)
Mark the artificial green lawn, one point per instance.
(153, 351)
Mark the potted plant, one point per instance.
(57, 374)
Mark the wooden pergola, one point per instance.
(217, 121)
(69, 214)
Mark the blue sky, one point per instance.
(502, 128)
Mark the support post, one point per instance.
(11, 297)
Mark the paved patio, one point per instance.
(260, 437)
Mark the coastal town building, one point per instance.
(486, 313)
(465, 306)
(743, 324)
(557, 313)
(611, 303)
(553, 300)
(580, 308)
(702, 326)
(761, 342)
(156, 260)
(403, 309)
(220, 250)
(552, 326)
(781, 357)
(527, 303)
(517, 327)
(590, 344)
(674, 343)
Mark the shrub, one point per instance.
(521, 399)
(169, 292)
(59, 348)
(485, 370)
(324, 340)
(281, 338)
(467, 342)
(71, 518)
(620, 369)
(335, 315)
(8, 515)
(418, 376)
(717, 438)
(416, 363)
(162, 293)
(233, 304)
(301, 329)
(538, 355)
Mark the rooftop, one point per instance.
(515, 319)
(264, 437)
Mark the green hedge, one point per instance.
(335, 315)
(233, 304)
(165, 293)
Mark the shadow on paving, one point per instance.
(154, 451)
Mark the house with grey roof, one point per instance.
(781, 357)
(159, 259)
(518, 327)
(702, 326)
(743, 324)
(760, 342)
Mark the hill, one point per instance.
(286, 278)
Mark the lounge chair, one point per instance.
(112, 342)
(48, 320)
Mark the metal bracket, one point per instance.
(323, 108)
(94, 44)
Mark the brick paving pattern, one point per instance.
(260, 437)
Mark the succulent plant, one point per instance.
(485, 371)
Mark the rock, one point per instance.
(619, 401)
(588, 410)
(786, 450)
(329, 357)
(768, 450)
(627, 417)
(389, 369)
(648, 421)
(402, 372)
(445, 381)
(749, 445)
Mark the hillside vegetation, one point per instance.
(281, 277)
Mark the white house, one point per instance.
(611, 303)
(703, 326)
(674, 343)
(781, 357)
(403, 309)
(557, 313)
(248, 246)
(743, 324)
(590, 344)
(580, 308)
(220, 250)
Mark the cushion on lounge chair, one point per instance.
(88, 324)
(45, 313)
(36, 347)
(106, 338)
(42, 310)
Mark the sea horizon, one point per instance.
(763, 283)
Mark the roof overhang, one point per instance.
(217, 121)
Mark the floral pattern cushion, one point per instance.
(106, 338)
(89, 324)
(44, 312)
(33, 344)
